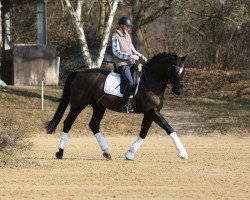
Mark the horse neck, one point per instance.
(157, 74)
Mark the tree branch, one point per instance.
(79, 10)
(155, 15)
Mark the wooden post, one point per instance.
(42, 95)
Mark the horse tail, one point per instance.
(51, 125)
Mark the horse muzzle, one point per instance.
(177, 90)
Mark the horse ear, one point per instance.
(184, 57)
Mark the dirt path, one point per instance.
(218, 168)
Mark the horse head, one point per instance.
(168, 68)
(176, 77)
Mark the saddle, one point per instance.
(115, 83)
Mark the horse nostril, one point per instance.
(175, 90)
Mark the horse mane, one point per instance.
(170, 55)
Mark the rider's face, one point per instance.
(126, 28)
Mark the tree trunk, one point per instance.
(139, 8)
(102, 16)
(138, 40)
(1, 38)
(81, 36)
(79, 11)
(106, 34)
(137, 36)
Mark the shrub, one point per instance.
(13, 140)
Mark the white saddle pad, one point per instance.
(112, 84)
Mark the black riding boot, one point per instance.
(128, 107)
(129, 104)
(128, 97)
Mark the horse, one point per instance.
(86, 87)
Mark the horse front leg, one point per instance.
(146, 123)
(159, 119)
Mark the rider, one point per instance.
(125, 56)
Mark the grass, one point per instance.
(7, 157)
(216, 115)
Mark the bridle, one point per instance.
(173, 70)
(170, 81)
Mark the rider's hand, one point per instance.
(134, 57)
(144, 58)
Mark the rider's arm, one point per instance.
(117, 50)
(135, 52)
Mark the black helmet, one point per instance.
(125, 21)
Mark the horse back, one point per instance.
(88, 84)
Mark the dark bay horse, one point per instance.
(86, 88)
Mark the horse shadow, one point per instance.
(65, 158)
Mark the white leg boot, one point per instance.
(63, 141)
(61, 146)
(130, 155)
(182, 153)
(103, 144)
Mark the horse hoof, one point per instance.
(50, 127)
(107, 155)
(130, 156)
(59, 154)
(184, 158)
(183, 154)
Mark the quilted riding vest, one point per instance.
(125, 43)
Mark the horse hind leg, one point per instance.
(94, 125)
(70, 119)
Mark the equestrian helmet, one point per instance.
(125, 21)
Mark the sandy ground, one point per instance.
(218, 168)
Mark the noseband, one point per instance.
(171, 78)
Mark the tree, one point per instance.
(219, 28)
(145, 12)
(215, 33)
(1, 44)
(1, 37)
(76, 19)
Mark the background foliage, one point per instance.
(214, 33)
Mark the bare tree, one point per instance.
(216, 32)
(219, 28)
(105, 7)
(145, 12)
(76, 19)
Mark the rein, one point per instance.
(145, 66)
